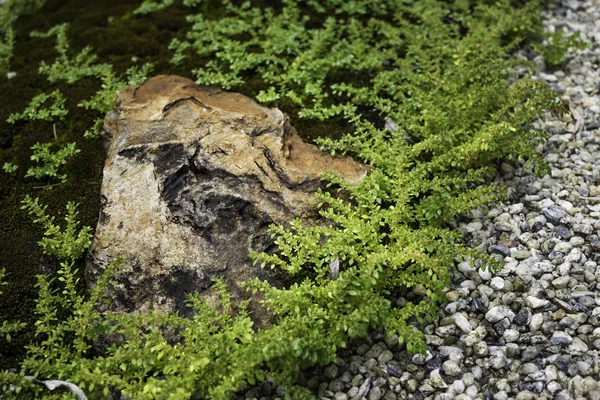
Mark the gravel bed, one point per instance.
(532, 330)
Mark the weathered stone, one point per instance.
(523, 317)
(193, 178)
(499, 249)
(554, 213)
(563, 232)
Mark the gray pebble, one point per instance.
(385, 356)
(554, 213)
(375, 393)
(451, 368)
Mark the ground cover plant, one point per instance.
(422, 91)
(557, 45)
(9, 12)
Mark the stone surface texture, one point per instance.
(193, 178)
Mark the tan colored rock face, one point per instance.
(193, 178)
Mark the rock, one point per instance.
(393, 370)
(485, 275)
(391, 341)
(433, 364)
(364, 388)
(554, 213)
(472, 392)
(501, 326)
(563, 232)
(536, 322)
(498, 313)
(534, 302)
(346, 377)
(453, 295)
(458, 386)
(521, 254)
(480, 348)
(193, 178)
(518, 284)
(498, 359)
(426, 389)
(451, 368)
(561, 282)
(462, 322)
(497, 283)
(529, 353)
(583, 229)
(340, 396)
(511, 335)
(453, 353)
(584, 368)
(537, 226)
(385, 357)
(590, 385)
(436, 380)
(563, 395)
(499, 249)
(331, 372)
(253, 393)
(478, 306)
(474, 226)
(475, 336)
(577, 347)
(563, 247)
(503, 227)
(510, 243)
(336, 386)
(419, 359)
(566, 205)
(352, 392)
(375, 394)
(555, 255)
(412, 385)
(523, 317)
(561, 338)
(501, 395)
(516, 208)
(563, 362)
(376, 350)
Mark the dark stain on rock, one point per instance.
(173, 186)
(180, 285)
(170, 158)
(285, 180)
(138, 153)
(104, 217)
(166, 109)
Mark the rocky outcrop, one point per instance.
(193, 178)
